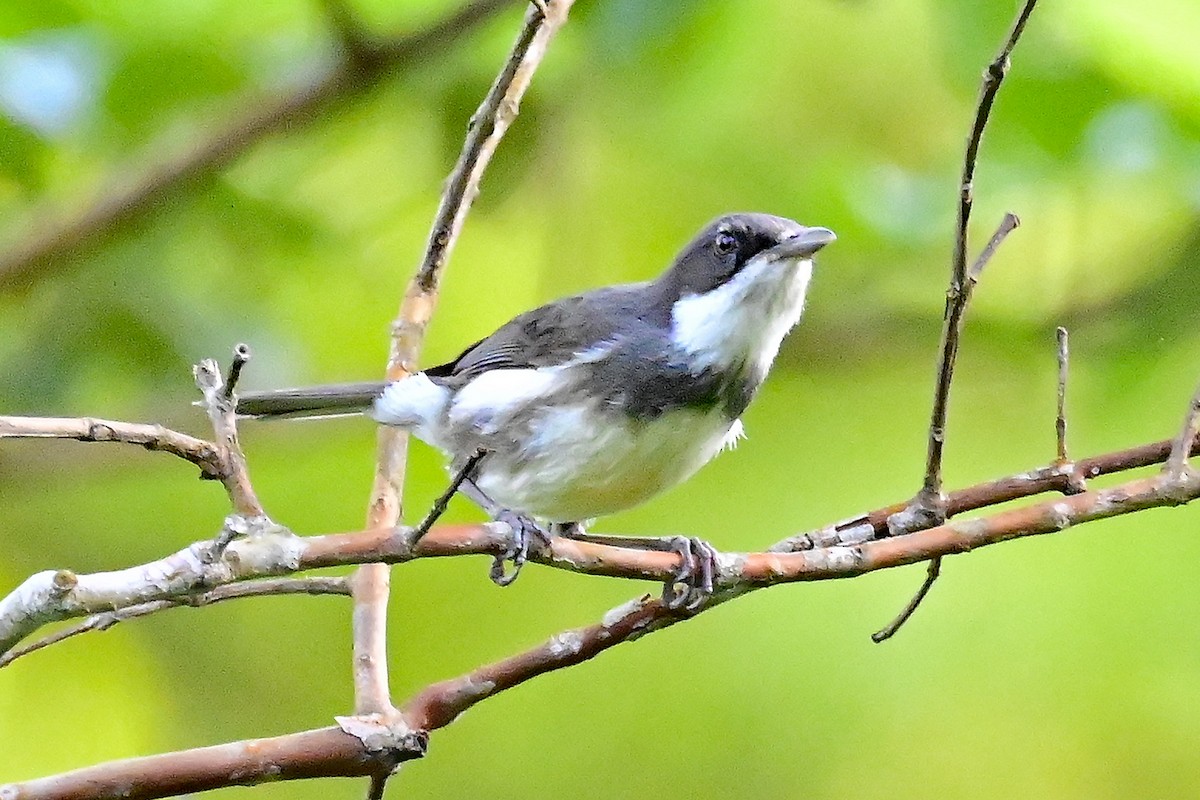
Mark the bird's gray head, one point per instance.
(728, 244)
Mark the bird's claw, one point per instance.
(523, 531)
(692, 585)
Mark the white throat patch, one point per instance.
(745, 319)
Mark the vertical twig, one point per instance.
(928, 507)
(220, 403)
(1176, 467)
(487, 127)
(1060, 420)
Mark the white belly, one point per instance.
(570, 471)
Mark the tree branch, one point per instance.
(322, 753)
(52, 596)
(89, 429)
(220, 403)
(488, 126)
(928, 507)
(52, 246)
(326, 753)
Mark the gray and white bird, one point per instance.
(595, 403)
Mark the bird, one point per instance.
(594, 403)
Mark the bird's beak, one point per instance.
(803, 244)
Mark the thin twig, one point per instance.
(439, 506)
(262, 588)
(1009, 223)
(52, 247)
(88, 429)
(929, 506)
(487, 128)
(1177, 463)
(241, 355)
(932, 571)
(1060, 419)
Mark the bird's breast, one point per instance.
(580, 460)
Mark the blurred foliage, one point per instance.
(1062, 667)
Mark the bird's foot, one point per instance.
(523, 531)
(692, 585)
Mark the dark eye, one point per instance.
(726, 243)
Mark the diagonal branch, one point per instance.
(488, 126)
(88, 429)
(52, 246)
(322, 753)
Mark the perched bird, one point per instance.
(594, 403)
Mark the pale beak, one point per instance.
(803, 244)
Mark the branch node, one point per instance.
(927, 509)
(64, 581)
(386, 734)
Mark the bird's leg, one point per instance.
(690, 587)
(523, 529)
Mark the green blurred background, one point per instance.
(1059, 667)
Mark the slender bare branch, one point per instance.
(929, 506)
(488, 126)
(88, 429)
(322, 753)
(107, 619)
(1186, 442)
(1060, 419)
(932, 571)
(52, 246)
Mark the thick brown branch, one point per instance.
(52, 246)
(87, 429)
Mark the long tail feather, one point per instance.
(337, 400)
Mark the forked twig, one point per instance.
(929, 505)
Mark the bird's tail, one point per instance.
(336, 400)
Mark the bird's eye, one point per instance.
(726, 243)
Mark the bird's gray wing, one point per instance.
(550, 335)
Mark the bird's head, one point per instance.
(739, 287)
